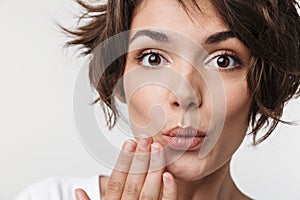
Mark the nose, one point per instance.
(186, 91)
(184, 100)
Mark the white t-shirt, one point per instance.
(61, 188)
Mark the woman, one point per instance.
(243, 71)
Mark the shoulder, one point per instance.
(59, 188)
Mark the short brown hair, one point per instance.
(270, 29)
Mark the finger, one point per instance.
(81, 195)
(138, 170)
(169, 187)
(118, 176)
(152, 185)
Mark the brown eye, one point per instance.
(223, 61)
(154, 59)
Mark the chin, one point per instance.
(187, 169)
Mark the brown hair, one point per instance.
(269, 28)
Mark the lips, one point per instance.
(184, 139)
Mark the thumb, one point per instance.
(169, 187)
(81, 194)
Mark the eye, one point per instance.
(223, 61)
(152, 59)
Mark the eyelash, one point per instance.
(147, 52)
(140, 56)
(226, 53)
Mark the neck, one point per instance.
(218, 185)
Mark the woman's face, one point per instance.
(179, 99)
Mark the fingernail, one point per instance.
(155, 151)
(143, 142)
(166, 180)
(77, 194)
(129, 146)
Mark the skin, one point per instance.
(189, 177)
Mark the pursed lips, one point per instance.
(184, 139)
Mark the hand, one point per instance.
(81, 195)
(149, 183)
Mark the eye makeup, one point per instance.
(152, 58)
(221, 60)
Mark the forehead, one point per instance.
(170, 14)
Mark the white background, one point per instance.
(38, 135)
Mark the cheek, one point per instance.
(139, 105)
(236, 122)
(237, 102)
(146, 109)
(236, 118)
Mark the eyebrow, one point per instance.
(162, 37)
(155, 35)
(219, 37)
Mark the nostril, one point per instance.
(187, 106)
(176, 104)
